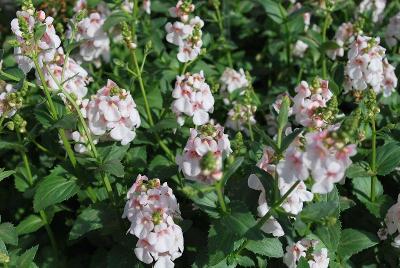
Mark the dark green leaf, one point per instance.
(356, 170)
(274, 10)
(232, 169)
(88, 220)
(5, 174)
(26, 259)
(113, 167)
(68, 121)
(330, 236)
(290, 138)
(317, 211)
(387, 158)
(114, 19)
(245, 261)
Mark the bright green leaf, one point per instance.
(354, 241)
(30, 224)
(269, 247)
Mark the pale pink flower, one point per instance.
(392, 222)
(293, 166)
(177, 32)
(392, 34)
(299, 48)
(178, 11)
(306, 248)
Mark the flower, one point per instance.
(392, 222)
(293, 167)
(376, 6)
(181, 10)
(112, 112)
(240, 116)
(81, 142)
(201, 159)
(151, 208)
(306, 248)
(299, 49)
(9, 101)
(392, 34)
(177, 32)
(192, 98)
(344, 34)
(232, 80)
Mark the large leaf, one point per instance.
(330, 236)
(52, 190)
(30, 224)
(316, 211)
(8, 234)
(387, 158)
(88, 220)
(354, 241)
(274, 10)
(269, 247)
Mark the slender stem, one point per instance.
(287, 37)
(54, 114)
(373, 160)
(324, 28)
(250, 130)
(220, 22)
(49, 232)
(279, 138)
(26, 161)
(221, 200)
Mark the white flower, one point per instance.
(392, 34)
(294, 203)
(151, 208)
(271, 226)
(7, 107)
(232, 80)
(392, 222)
(293, 166)
(112, 112)
(192, 98)
(325, 176)
(306, 248)
(376, 6)
(181, 11)
(177, 32)
(147, 6)
(189, 51)
(344, 34)
(240, 116)
(299, 48)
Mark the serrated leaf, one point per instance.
(316, 211)
(30, 224)
(6, 174)
(220, 243)
(52, 190)
(113, 167)
(240, 221)
(26, 259)
(354, 241)
(387, 158)
(269, 247)
(68, 121)
(8, 234)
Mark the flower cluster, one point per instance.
(375, 6)
(151, 209)
(309, 102)
(127, 5)
(232, 80)
(202, 156)
(322, 155)
(112, 112)
(299, 49)
(185, 33)
(192, 98)
(306, 248)
(392, 224)
(94, 41)
(392, 34)
(9, 100)
(367, 66)
(344, 34)
(28, 47)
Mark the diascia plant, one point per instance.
(213, 133)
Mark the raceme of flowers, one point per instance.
(240, 116)
(368, 67)
(232, 80)
(392, 224)
(375, 6)
(151, 208)
(186, 34)
(202, 157)
(306, 248)
(193, 98)
(112, 113)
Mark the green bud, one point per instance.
(208, 130)
(208, 162)
(157, 217)
(10, 125)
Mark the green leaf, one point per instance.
(303, 263)
(245, 261)
(88, 220)
(52, 190)
(114, 19)
(387, 158)
(290, 138)
(232, 169)
(317, 211)
(269, 247)
(330, 236)
(8, 234)
(5, 174)
(274, 10)
(267, 139)
(26, 259)
(167, 123)
(113, 167)
(328, 45)
(220, 243)
(358, 169)
(206, 201)
(40, 29)
(68, 121)
(30, 224)
(354, 241)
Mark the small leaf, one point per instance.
(328, 45)
(269, 247)
(114, 19)
(30, 224)
(354, 241)
(274, 10)
(245, 261)
(387, 158)
(267, 139)
(8, 234)
(316, 211)
(40, 29)
(358, 169)
(26, 259)
(52, 190)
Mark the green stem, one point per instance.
(54, 114)
(373, 160)
(221, 200)
(250, 130)
(279, 138)
(26, 162)
(220, 21)
(324, 28)
(49, 232)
